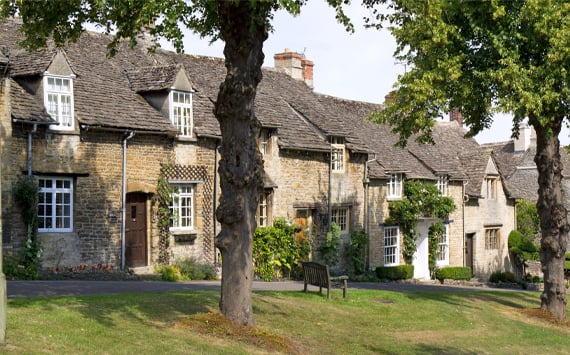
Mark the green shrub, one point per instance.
(190, 269)
(400, 272)
(356, 251)
(453, 273)
(499, 276)
(275, 250)
(170, 273)
(330, 250)
(14, 269)
(522, 246)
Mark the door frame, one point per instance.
(140, 198)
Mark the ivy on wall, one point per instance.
(421, 200)
(164, 196)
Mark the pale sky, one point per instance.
(357, 66)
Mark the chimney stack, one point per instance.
(296, 65)
(524, 141)
(455, 115)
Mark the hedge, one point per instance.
(399, 272)
(453, 273)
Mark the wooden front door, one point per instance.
(469, 250)
(135, 231)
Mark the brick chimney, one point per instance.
(296, 65)
(455, 115)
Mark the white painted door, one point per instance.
(421, 256)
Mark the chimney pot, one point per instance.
(455, 115)
(296, 65)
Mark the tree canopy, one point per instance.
(243, 26)
(484, 57)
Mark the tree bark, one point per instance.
(243, 29)
(553, 217)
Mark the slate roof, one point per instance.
(519, 171)
(152, 78)
(25, 108)
(109, 92)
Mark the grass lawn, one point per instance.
(369, 322)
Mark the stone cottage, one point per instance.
(115, 143)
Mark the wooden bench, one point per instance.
(319, 275)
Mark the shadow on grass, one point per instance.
(151, 309)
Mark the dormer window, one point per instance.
(58, 100)
(395, 186)
(442, 185)
(181, 112)
(337, 154)
(265, 142)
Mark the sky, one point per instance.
(358, 66)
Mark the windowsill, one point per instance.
(63, 131)
(186, 139)
(45, 232)
(184, 235)
(393, 198)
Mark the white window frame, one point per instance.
(263, 210)
(54, 97)
(391, 245)
(442, 252)
(491, 186)
(395, 186)
(60, 217)
(492, 238)
(341, 217)
(182, 207)
(181, 113)
(337, 154)
(442, 184)
(264, 142)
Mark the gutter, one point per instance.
(128, 135)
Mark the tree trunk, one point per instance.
(243, 29)
(553, 217)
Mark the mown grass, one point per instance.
(368, 322)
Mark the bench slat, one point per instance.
(319, 275)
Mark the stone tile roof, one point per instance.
(24, 107)
(519, 171)
(152, 78)
(106, 94)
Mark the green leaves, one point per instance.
(421, 200)
(481, 57)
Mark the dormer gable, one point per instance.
(57, 88)
(60, 65)
(169, 90)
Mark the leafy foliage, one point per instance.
(436, 230)
(190, 269)
(420, 200)
(400, 272)
(25, 194)
(500, 276)
(522, 246)
(276, 251)
(453, 273)
(356, 251)
(170, 273)
(164, 217)
(528, 220)
(330, 250)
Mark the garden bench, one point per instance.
(319, 275)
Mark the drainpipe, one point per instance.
(464, 199)
(366, 211)
(30, 133)
(128, 135)
(329, 207)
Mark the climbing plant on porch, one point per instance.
(421, 200)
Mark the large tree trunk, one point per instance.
(553, 217)
(243, 29)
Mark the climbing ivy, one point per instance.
(25, 194)
(421, 200)
(436, 230)
(164, 196)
